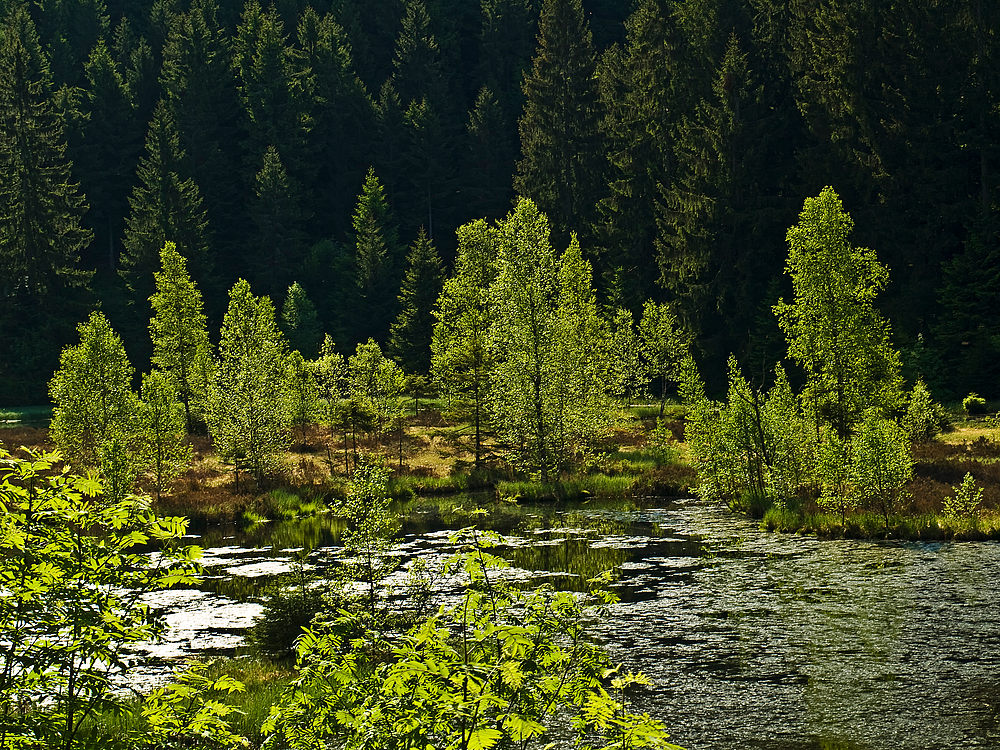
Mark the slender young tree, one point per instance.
(248, 416)
(376, 384)
(161, 429)
(94, 404)
(410, 335)
(664, 344)
(302, 393)
(833, 330)
(179, 333)
(462, 358)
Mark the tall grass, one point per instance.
(922, 527)
(595, 485)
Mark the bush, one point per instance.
(924, 418)
(966, 500)
(974, 404)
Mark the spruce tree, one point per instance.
(199, 87)
(271, 96)
(410, 336)
(417, 63)
(299, 321)
(166, 206)
(561, 162)
(112, 140)
(179, 334)
(278, 217)
(376, 258)
(41, 236)
(715, 204)
(341, 113)
(491, 153)
(248, 416)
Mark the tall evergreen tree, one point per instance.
(376, 259)
(199, 87)
(342, 118)
(70, 29)
(561, 161)
(410, 336)
(166, 206)
(712, 245)
(279, 219)
(272, 96)
(300, 322)
(41, 236)
(507, 41)
(417, 63)
(491, 155)
(112, 139)
(179, 333)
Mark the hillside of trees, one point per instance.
(327, 152)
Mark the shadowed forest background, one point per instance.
(334, 144)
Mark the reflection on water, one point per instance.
(753, 640)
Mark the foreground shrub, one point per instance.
(72, 592)
(496, 667)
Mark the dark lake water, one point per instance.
(753, 640)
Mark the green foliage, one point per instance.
(161, 435)
(179, 333)
(302, 393)
(462, 358)
(371, 531)
(410, 335)
(549, 394)
(832, 327)
(923, 418)
(626, 377)
(191, 710)
(497, 668)
(74, 586)
(965, 501)
(973, 404)
(664, 344)
(92, 393)
(882, 463)
(751, 449)
(248, 416)
(376, 385)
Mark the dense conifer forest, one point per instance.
(327, 152)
